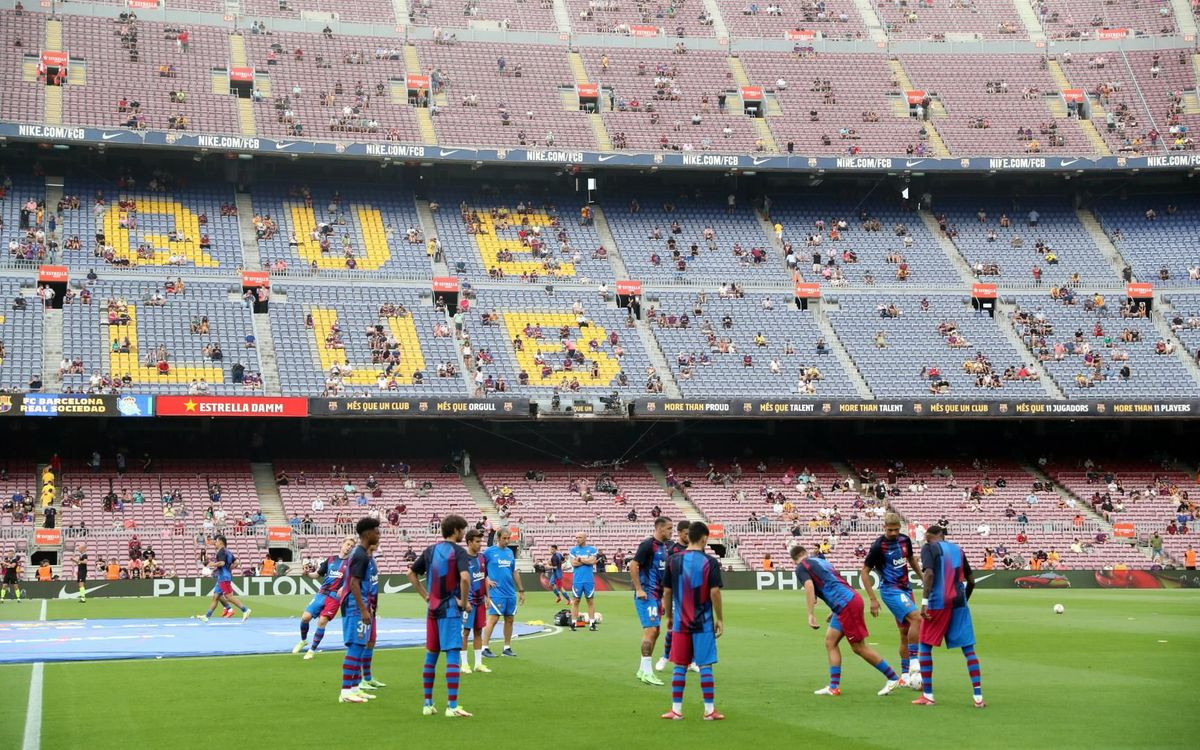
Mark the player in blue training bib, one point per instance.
(583, 579)
(504, 591)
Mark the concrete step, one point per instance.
(245, 208)
(52, 349)
(600, 132)
(425, 124)
(429, 232)
(615, 259)
(265, 343)
(562, 16)
(29, 71)
(1103, 242)
(269, 499)
(54, 35)
(237, 51)
(839, 351)
(658, 360)
(1005, 324)
(78, 76)
(262, 82)
(1161, 317)
(720, 30)
(246, 124)
(54, 105)
(685, 508)
(220, 82)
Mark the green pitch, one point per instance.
(1111, 672)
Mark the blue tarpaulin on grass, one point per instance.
(98, 640)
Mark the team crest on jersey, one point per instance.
(6, 404)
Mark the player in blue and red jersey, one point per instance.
(647, 571)
(676, 546)
(371, 587)
(692, 603)
(944, 612)
(447, 570)
(475, 620)
(891, 557)
(505, 591)
(554, 576)
(223, 573)
(325, 604)
(358, 619)
(821, 580)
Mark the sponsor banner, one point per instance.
(67, 134)
(509, 408)
(807, 290)
(61, 405)
(417, 82)
(47, 537)
(445, 284)
(1139, 290)
(629, 288)
(784, 407)
(241, 74)
(232, 406)
(53, 274)
(1073, 95)
(799, 35)
(914, 96)
(588, 90)
(53, 59)
(782, 581)
(279, 534)
(983, 291)
(142, 4)
(752, 93)
(643, 30)
(256, 278)
(1125, 530)
(1112, 33)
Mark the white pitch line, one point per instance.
(33, 712)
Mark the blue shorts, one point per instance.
(476, 619)
(316, 605)
(649, 611)
(504, 606)
(583, 590)
(693, 648)
(554, 576)
(899, 603)
(961, 631)
(444, 633)
(354, 630)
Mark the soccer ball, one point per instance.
(915, 681)
(599, 617)
(1059, 609)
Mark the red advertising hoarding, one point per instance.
(231, 406)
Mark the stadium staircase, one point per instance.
(949, 249)
(1029, 17)
(658, 360)
(52, 348)
(400, 9)
(685, 509)
(839, 351)
(571, 103)
(600, 221)
(760, 123)
(935, 138)
(1161, 317)
(54, 94)
(270, 502)
(1085, 509)
(429, 231)
(264, 342)
(245, 106)
(1102, 241)
(412, 63)
(719, 27)
(54, 193)
(1099, 147)
(1185, 22)
(871, 20)
(1005, 324)
(562, 16)
(245, 209)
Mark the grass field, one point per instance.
(1117, 670)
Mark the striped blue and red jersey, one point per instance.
(357, 566)
(691, 577)
(829, 587)
(331, 575)
(442, 564)
(950, 569)
(478, 571)
(889, 558)
(225, 571)
(651, 557)
(371, 583)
